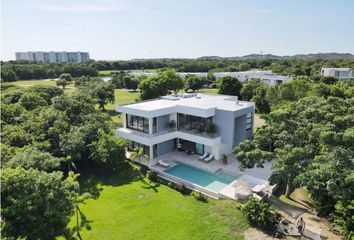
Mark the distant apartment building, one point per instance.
(340, 73)
(53, 57)
(265, 76)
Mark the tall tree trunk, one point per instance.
(288, 188)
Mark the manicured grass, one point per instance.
(209, 90)
(109, 72)
(122, 96)
(11, 86)
(128, 206)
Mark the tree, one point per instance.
(34, 204)
(249, 88)
(258, 213)
(103, 93)
(244, 66)
(139, 154)
(260, 99)
(8, 76)
(30, 157)
(64, 79)
(130, 82)
(79, 199)
(108, 149)
(32, 100)
(161, 84)
(47, 92)
(193, 82)
(328, 79)
(117, 79)
(311, 142)
(230, 86)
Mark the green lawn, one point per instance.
(10, 86)
(109, 72)
(127, 206)
(209, 90)
(121, 97)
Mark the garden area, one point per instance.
(125, 205)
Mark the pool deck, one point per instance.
(231, 168)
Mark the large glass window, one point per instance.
(138, 123)
(192, 123)
(249, 121)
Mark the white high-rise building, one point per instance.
(53, 57)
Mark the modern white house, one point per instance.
(185, 122)
(174, 131)
(265, 76)
(53, 57)
(340, 73)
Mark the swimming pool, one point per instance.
(211, 181)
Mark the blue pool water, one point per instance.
(211, 181)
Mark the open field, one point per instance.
(122, 96)
(9, 86)
(127, 206)
(109, 72)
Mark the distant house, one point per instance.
(340, 73)
(265, 76)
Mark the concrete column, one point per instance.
(150, 125)
(151, 153)
(124, 117)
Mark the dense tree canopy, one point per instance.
(311, 142)
(193, 82)
(230, 86)
(161, 84)
(34, 204)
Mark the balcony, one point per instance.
(168, 134)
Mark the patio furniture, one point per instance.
(204, 156)
(163, 163)
(208, 159)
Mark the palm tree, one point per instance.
(79, 198)
(139, 154)
(69, 160)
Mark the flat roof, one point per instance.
(200, 101)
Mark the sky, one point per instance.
(128, 29)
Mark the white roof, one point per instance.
(199, 102)
(339, 69)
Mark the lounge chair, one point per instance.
(208, 159)
(163, 163)
(204, 156)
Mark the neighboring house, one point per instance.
(53, 57)
(181, 121)
(340, 73)
(265, 76)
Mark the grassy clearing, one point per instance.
(209, 90)
(11, 86)
(128, 206)
(299, 198)
(109, 72)
(121, 97)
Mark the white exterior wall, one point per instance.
(340, 73)
(53, 57)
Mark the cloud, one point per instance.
(87, 6)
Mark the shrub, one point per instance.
(152, 176)
(181, 187)
(224, 159)
(199, 196)
(258, 213)
(210, 128)
(171, 184)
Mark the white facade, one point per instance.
(340, 73)
(265, 76)
(233, 120)
(53, 57)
